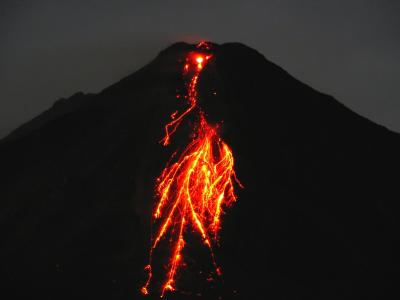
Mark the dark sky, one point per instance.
(52, 49)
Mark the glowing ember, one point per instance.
(195, 189)
(199, 61)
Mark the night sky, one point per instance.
(52, 49)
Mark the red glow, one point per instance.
(195, 189)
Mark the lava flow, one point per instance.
(193, 190)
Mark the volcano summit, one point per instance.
(318, 217)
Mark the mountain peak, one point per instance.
(318, 215)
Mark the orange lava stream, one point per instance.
(194, 190)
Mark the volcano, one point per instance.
(318, 217)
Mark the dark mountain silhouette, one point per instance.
(318, 217)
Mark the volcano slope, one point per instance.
(318, 217)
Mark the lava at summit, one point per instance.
(194, 190)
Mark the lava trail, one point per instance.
(194, 190)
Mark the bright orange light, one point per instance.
(194, 190)
(199, 60)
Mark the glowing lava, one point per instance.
(194, 190)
